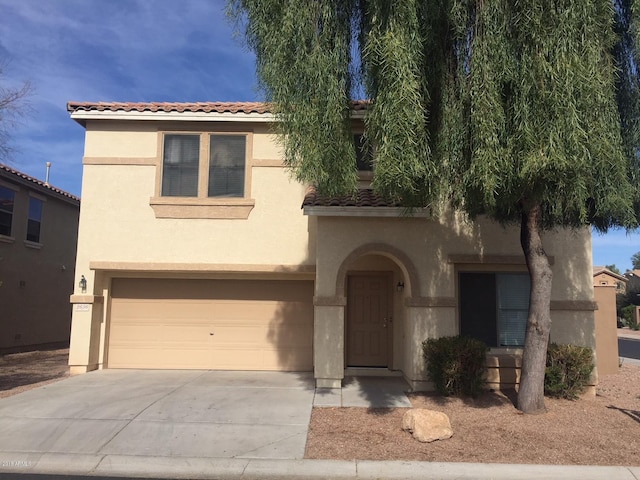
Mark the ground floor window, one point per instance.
(494, 307)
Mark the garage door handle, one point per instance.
(210, 333)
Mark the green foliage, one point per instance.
(568, 370)
(628, 317)
(613, 268)
(491, 106)
(456, 365)
(635, 261)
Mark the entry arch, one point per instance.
(401, 259)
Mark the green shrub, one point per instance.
(456, 365)
(628, 316)
(568, 370)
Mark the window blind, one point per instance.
(227, 165)
(513, 307)
(180, 165)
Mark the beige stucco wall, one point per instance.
(120, 235)
(606, 331)
(434, 251)
(119, 231)
(36, 279)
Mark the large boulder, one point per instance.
(427, 425)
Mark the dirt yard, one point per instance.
(24, 371)
(601, 430)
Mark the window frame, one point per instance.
(29, 219)
(495, 346)
(14, 191)
(202, 205)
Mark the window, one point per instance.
(180, 164)
(494, 307)
(183, 167)
(364, 155)
(35, 220)
(6, 210)
(226, 165)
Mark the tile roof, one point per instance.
(206, 107)
(40, 183)
(365, 197)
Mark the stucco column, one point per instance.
(85, 333)
(328, 344)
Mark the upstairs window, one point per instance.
(180, 165)
(6, 210)
(227, 154)
(494, 307)
(187, 171)
(34, 221)
(364, 155)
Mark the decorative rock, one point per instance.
(427, 425)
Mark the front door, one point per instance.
(368, 320)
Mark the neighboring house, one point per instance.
(198, 255)
(606, 285)
(38, 239)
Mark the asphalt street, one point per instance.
(629, 348)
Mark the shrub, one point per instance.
(628, 316)
(568, 370)
(456, 365)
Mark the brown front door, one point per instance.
(368, 320)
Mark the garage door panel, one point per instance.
(258, 325)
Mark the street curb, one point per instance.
(248, 469)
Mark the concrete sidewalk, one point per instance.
(133, 466)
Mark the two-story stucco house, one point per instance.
(38, 234)
(201, 252)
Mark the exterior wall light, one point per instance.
(83, 284)
(400, 287)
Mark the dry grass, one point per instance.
(601, 430)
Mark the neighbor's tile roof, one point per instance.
(6, 169)
(206, 107)
(365, 197)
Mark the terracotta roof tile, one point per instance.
(365, 197)
(206, 107)
(24, 176)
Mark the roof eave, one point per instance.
(81, 116)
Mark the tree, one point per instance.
(635, 261)
(613, 268)
(506, 109)
(12, 106)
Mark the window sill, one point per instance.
(6, 239)
(210, 208)
(34, 245)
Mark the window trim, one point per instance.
(10, 238)
(203, 206)
(490, 269)
(34, 243)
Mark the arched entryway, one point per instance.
(374, 280)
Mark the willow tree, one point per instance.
(522, 111)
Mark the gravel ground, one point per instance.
(24, 371)
(600, 430)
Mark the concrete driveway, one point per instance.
(159, 413)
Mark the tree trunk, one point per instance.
(531, 391)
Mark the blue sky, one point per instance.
(136, 51)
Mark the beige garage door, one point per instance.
(211, 324)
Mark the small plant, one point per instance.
(456, 365)
(568, 370)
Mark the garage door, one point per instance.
(211, 324)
